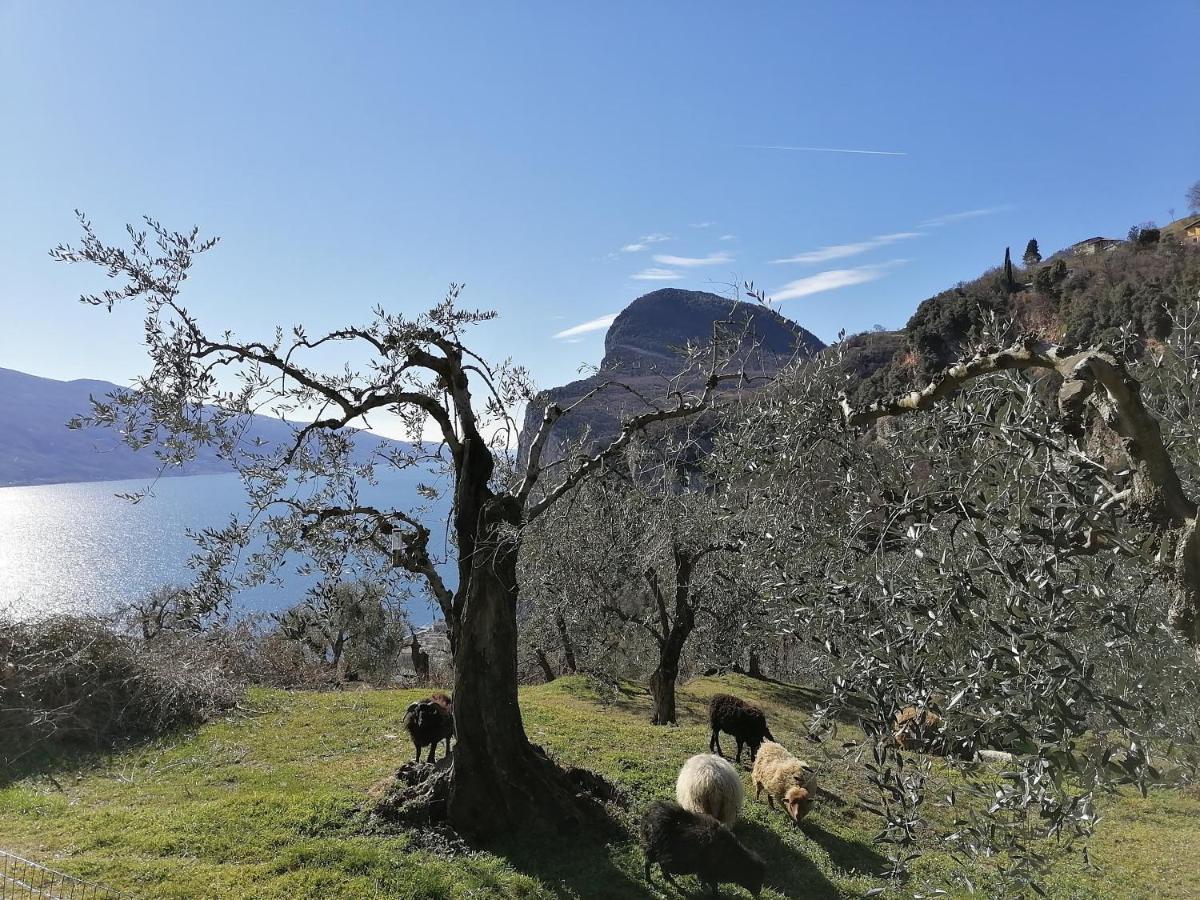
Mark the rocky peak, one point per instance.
(652, 330)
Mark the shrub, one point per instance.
(73, 683)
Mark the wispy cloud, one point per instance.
(822, 149)
(598, 324)
(643, 242)
(968, 214)
(688, 262)
(702, 224)
(840, 251)
(727, 237)
(656, 274)
(832, 280)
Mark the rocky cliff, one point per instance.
(643, 350)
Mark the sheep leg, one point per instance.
(418, 756)
(739, 753)
(649, 863)
(770, 801)
(757, 791)
(714, 744)
(433, 751)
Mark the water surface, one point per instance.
(79, 548)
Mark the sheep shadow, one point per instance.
(850, 856)
(579, 867)
(789, 871)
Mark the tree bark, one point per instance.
(543, 662)
(662, 688)
(665, 676)
(569, 667)
(420, 659)
(755, 668)
(501, 782)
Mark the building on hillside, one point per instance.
(1093, 245)
(1190, 230)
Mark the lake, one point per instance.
(79, 548)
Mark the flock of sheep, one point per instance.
(691, 836)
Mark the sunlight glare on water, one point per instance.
(79, 548)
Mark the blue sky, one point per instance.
(563, 158)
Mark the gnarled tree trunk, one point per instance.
(500, 782)
(665, 676)
(569, 666)
(543, 662)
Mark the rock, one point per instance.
(642, 350)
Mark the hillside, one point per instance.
(642, 352)
(263, 805)
(36, 447)
(1122, 298)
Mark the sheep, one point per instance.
(746, 722)
(711, 785)
(918, 729)
(686, 843)
(429, 721)
(785, 778)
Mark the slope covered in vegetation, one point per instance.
(1120, 298)
(266, 803)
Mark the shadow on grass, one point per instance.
(789, 871)
(858, 858)
(43, 759)
(576, 867)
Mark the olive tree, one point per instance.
(985, 561)
(305, 494)
(651, 554)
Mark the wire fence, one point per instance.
(22, 879)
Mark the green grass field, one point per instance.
(265, 804)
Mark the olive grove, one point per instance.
(305, 496)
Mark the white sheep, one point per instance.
(709, 784)
(785, 778)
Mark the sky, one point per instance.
(561, 159)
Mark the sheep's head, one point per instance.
(797, 801)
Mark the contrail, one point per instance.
(822, 149)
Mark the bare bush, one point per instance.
(73, 683)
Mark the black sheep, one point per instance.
(429, 721)
(686, 843)
(744, 721)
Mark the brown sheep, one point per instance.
(429, 721)
(745, 721)
(920, 730)
(785, 778)
(688, 843)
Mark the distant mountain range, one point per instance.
(642, 351)
(36, 447)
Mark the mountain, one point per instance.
(36, 447)
(642, 351)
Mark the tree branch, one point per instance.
(1089, 375)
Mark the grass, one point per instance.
(264, 804)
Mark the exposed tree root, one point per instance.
(567, 801)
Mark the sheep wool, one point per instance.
(710, 785)
(785, 778)
(685, 843)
